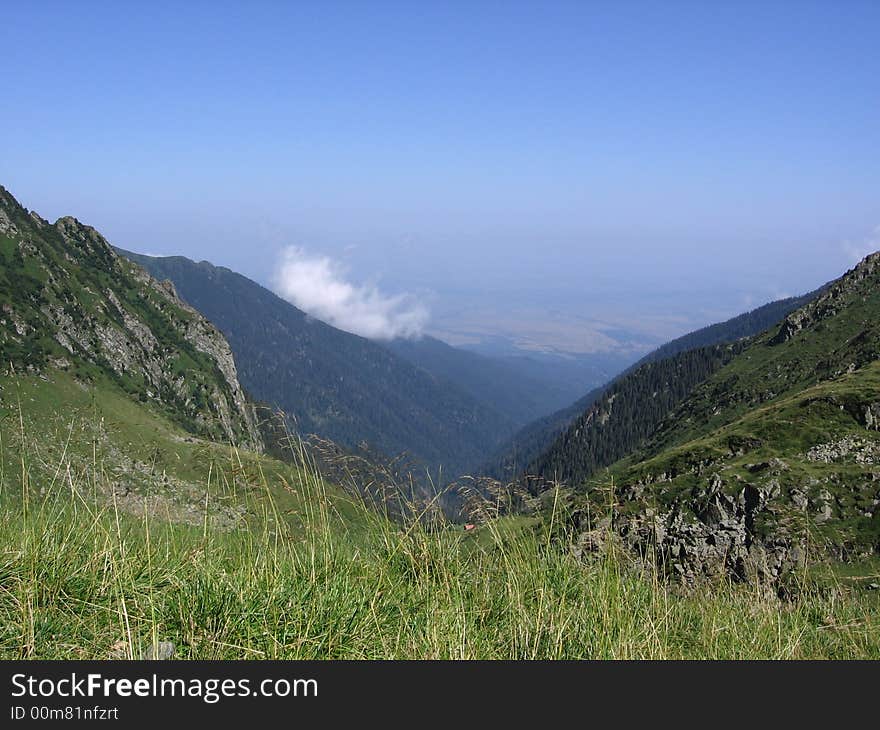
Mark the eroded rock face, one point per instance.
(718, 538)
(6, 224)
(207, 339)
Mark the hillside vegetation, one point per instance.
(84, 582)
(627, 413)
(775, 457)
(561, 444)
(62, 436)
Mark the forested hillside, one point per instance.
(332, 383)
(524, 451)
(744, 325)
(627, 413)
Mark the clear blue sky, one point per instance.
(674, 156)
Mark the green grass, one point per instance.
(308, 572)
(85, 583)
(56, 431)
(79, 578)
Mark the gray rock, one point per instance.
(872, 416)
(799, 499)
(159, 652)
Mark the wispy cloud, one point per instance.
(318, 285)
(856, 251)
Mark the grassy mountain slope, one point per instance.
(90, 442)
(836, 333)
(776, 455)
(335, 384)
(70, 303)
(79, 585)
(550, 445)
(231, 555)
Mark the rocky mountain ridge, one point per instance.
(70, 302)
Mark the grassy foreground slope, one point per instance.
(118, 530)
(80, 583)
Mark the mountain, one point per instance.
(334, 384)
(117, 397)
(553, 445)
(776, 455)
(70, 303)
(519, 392)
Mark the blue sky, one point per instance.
(641, 162)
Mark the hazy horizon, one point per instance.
(570, 176)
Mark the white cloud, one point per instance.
(318, 286)
(855, 252)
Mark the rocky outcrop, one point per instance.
(753, 527)
(718, 539)
(849, 449)
(751, 522)
(208, 340)
(872, 416)
(829, 303)
(720, 542)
